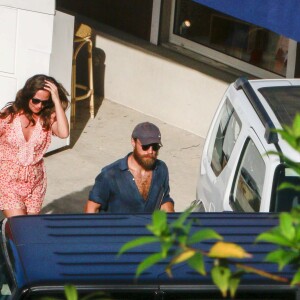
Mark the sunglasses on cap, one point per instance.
(155, 147)
(44, 102)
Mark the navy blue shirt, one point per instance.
(115, 189)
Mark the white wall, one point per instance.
(41, 6)
(61, 61)
(178, 95)
(35, 39)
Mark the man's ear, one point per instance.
(133, 142)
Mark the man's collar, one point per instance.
(124, 162)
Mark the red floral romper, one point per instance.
(22, 172)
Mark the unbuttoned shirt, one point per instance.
(115, 189)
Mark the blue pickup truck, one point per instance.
(41, 254)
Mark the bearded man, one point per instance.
(137, 183)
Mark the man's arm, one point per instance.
(92, 207)
(167, 207)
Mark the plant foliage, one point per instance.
(179, 244)
(287, 237)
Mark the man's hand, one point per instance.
(167, 207)
(92, 207)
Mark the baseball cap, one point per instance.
(147, 133)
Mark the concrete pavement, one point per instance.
(100, 141)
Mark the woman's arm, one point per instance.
(60, 126)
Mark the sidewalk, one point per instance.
(100, 141)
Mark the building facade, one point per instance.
(180, 56)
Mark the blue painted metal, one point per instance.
(82, 250)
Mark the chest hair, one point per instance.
(143, 182)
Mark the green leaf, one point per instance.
(205, 234)
(97, 296)
(288, 185)
(197, 263)
(182, 233)
(182, 218)
(159, 218)
(137, 242)
(183, 256)
(220, 276)
(71, 292)
(159, 223)
(296, 278)
(274, 238)
(296, 125)
(295, 212)
(182, 239)
(286, 226)
(281, 257)
(148, 262)
(297, 234)
(165, 247)
(234, 282)
(291, 164)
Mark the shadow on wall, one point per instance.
(70, 204)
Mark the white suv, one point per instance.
(236, 173)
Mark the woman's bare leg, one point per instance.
(14, 212)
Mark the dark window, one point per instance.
(249, 181)
(284, 101)
(227, 132)
(131, 16)
(247, 42)
(285, 199)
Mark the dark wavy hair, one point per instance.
(21, 103)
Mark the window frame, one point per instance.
(275, 201)
(233, 204)
(212, 142)
(224, 59)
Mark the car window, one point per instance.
(286, 110)
(249, 180)
(226, 133)
(287, 198)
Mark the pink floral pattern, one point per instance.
(23, 179)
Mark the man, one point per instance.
(137, 183)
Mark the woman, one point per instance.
(26, 126)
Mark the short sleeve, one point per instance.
(166, 187)
(100, 191)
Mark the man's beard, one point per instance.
(146, 161)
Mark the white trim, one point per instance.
(291, 62)
(155, 21)
(40, 6)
